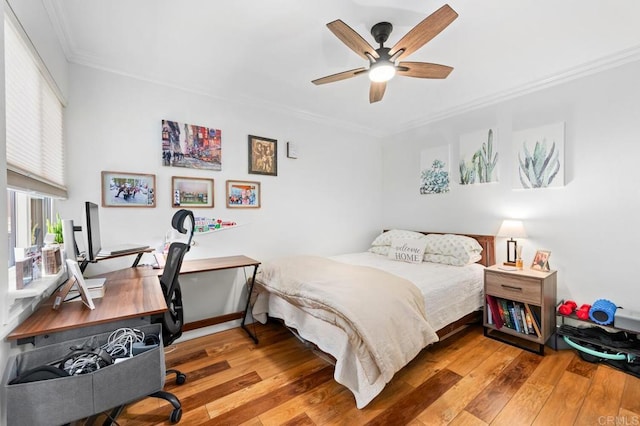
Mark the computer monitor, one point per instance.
(91, 230)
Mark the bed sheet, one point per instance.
(450, 292)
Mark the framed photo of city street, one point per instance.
(243, 194)
(121, 189)
(191, 146)
(263, 156)
(191, 192)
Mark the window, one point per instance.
(34, 111)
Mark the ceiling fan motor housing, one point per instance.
(381, 32)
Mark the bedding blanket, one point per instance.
(381, 313)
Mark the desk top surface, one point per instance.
(216, 264)
(129, 293)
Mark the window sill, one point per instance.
(37, 287)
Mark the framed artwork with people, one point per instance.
(243, 194)
(541, 261)
(191, 146)
(263, 156)
(128, 189)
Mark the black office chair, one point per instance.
(173, 319)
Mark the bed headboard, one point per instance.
(486, 241)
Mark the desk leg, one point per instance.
(246, 308)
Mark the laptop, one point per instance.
(121, 249)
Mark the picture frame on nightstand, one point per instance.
(541, 261)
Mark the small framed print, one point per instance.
(263, 156)
(187, 192)
(243, 194)
(541, 261)
(128, 190)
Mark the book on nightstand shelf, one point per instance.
(517, 316)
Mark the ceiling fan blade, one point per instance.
(352, 39)
(419, 35)
(339, 76)
(423, 70)
(376, 91)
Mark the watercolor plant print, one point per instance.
(434, 170)
(539, 157)
(478, 158)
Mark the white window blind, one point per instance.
(34, 117)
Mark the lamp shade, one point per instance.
(512, 229)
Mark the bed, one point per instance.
(374, 311)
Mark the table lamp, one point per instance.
(512, 229)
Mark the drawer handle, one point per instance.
(510, 287)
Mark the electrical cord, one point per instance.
(120, 342)
(89, 357)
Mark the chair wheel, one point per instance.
(176, 415)
(181, 378)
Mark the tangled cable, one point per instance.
(90, 357)
(120, 342)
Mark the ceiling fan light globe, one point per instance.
(379, 73)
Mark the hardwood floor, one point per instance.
(465, 380)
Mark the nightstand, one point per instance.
(520, 307)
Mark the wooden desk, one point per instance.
(130, 294)
(219, 264)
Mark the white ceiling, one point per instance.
(267, 52)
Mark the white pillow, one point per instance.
(451, 260)
(452, 249)
(382, 250)
(385, 238)
(407, 250)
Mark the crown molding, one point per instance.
(90, 61)
(60, 26)
(592, 67)
(589, 68)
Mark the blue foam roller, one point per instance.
(602, 311)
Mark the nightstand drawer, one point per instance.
(522, 289)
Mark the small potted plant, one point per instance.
(56, 229)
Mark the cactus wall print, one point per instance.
(478, 157)
(434, 170)
(539, 156)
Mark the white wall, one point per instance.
(325, 202)
(590, 224)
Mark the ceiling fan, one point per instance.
(385, 62)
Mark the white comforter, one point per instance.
(381, 313)
(448, 293)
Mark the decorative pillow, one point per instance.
(385, 238)
(457, 249)
(407, 250)
(383, 250)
